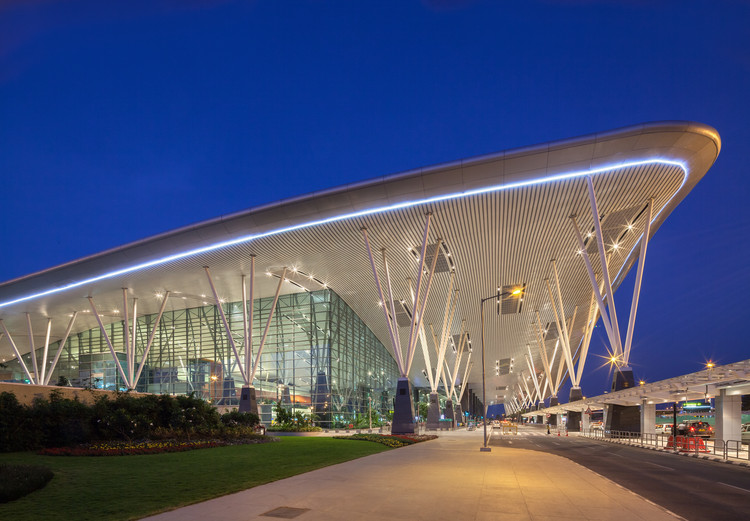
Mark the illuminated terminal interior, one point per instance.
(320, 357)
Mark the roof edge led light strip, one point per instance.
(362, 213)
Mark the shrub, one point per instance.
(60, 422)
(18, 480)
(16, 433)
(236, 418)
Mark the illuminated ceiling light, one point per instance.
(159, 295)
(353, 215)
(642, 382)
(268, 274)
(516, 292)
(615, 246)
(710, 365)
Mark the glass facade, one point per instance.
(319, 357)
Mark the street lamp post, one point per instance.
(485, 448)
(497, 296)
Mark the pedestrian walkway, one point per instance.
(444, 479)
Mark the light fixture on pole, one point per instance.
(498, 296)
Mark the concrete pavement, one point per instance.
(444, 479)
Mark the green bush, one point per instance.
(61, 422)
(236, 418)
(18, 480)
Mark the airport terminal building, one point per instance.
(346, 299)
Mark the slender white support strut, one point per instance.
(422, 257)
(227, 329)
(33, 349)
(638, 280)
(60, 347)
(41, 379)
(603, 262)
(109, 342)
(15, 350)
(126, 336)
(389, 317)
(268, 326)
(151, 338)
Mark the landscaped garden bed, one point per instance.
(390, 440)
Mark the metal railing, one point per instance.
(685, 444)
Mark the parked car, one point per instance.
(695, 428)
(746, 433)
(663, 428)
(596, 426)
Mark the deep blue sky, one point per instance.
(123, 120)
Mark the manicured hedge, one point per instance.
(61, 422)
(18, 480)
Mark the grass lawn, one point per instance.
(131, 487)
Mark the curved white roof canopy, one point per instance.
(502, 216)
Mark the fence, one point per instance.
(666, 442)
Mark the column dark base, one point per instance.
(574, 421)
(433, 412)
(248, 401)
(553, 401)
(403, 409)
(449, 413)
(623, 418)
(459, 414)
(574, 417)
(552, 420)
(622, 379)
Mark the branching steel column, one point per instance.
(423, 343)
(392, 322)
(541, 337)
(422, 257)
(252, 315)
(151, 338)
(107, 339)
(126, 336)
(457, 363)
(42, 378)
(562, 328)
(389, 316)
(530, 363)
(594, 284)
(469, 365)
(590, 323)
(268, 326)
(33, 350)
(413, 347)
(445, 334)
(526, 387)
(15, 350)
(604, 263)
(133, 338)
(638, 281)
(60, 347)
(228, 330)
(447, 314)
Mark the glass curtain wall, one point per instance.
(319, 357)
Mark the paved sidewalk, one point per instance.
(444, 479)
